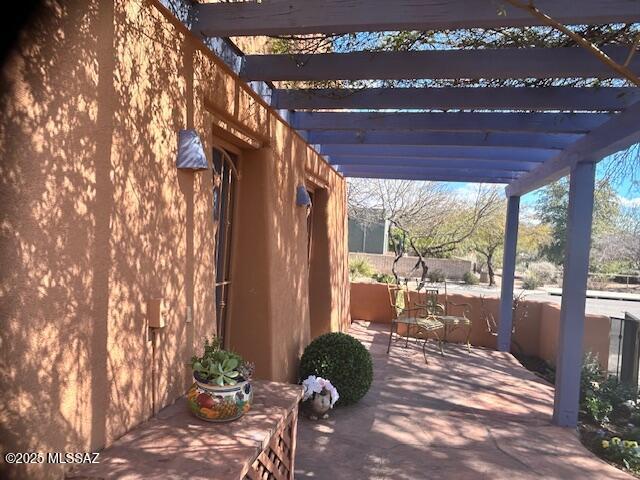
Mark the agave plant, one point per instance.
(220, 366)
(225, 373)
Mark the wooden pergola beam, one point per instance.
(619, 133)
(423, 173)
(447, 152)
(435, 64)
(456, 122)
(374, 139)
(453, 164)
(487, 98)
(283, 17)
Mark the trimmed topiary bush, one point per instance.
(344, 361)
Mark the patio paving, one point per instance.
(464, 416)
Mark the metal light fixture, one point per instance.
(190, 151)
(302, 196)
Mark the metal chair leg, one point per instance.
(390, 338)
(424, 349)
(439, 343)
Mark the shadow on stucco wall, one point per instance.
(93, 224)
(49, 189)
(95, 221)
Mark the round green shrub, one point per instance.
(344, 361)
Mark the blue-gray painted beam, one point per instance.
(451, 163)
(373, 138)
(485, 98)
(289, 17)
(574, 291)
(390, 168)
(426, 176)
(458, 121)
(480, 153)
(619, 133)
(498, 63)
(505, 325)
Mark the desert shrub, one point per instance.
(546, 272)
(344, 361)
(360, 267)
(436, 276)
(470, 278)
(383, 278)
(530, 281)
(597, 282)
(602, 395)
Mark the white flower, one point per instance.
(311, 386)
(333, 392)
(314, 384)
(334, 395)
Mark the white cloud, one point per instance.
(629, 202)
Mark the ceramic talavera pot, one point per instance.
(220, 404)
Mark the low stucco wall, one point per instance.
(536, 334)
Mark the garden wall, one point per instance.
(96, 220)
(453, 268)
(537, 334)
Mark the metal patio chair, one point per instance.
(452, 315)
(416, 320)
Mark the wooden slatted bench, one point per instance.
(176, 445)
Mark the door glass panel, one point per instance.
(223, 194)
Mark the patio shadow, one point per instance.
(477, 415)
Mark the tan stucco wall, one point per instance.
(96, 220)
(537, 334)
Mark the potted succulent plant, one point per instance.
(222, 389)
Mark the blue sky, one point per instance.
(628, 193)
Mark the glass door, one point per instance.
(224, 183)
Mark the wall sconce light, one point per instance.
(190, 151)
(302, 196)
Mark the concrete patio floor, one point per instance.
(464, 416)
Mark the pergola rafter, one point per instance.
(522, 137)
(450, 122)
(514, 154)
(291, 17)
(395, 138)
(436, 64)
(488, 98)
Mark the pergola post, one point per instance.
(574, 289)
(508, 273)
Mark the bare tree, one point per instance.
(442, 232)
(428, 217)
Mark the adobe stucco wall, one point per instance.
(95, 220)
(537, 334)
